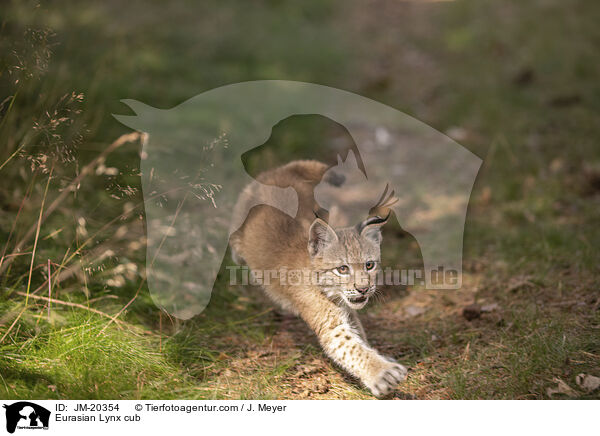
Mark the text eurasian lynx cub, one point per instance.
(344, 261)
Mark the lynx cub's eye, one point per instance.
(370, 265)
(343, 269)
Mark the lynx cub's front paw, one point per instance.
(385, 379)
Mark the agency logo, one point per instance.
(26, 415)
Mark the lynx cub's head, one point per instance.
(347, 259)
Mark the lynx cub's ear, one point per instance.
(371, 228)
(320, 235)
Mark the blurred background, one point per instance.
(515, 82)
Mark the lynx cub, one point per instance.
(344, 262)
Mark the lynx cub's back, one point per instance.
(337, 267)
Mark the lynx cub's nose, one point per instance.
(362, 290)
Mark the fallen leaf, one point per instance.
(561, 388)
(519, 283)
(588, 383)
(490, 307)
(412, 311)
(465, 355)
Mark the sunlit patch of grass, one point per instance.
(78, 362)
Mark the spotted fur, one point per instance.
(271, 240)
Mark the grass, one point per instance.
(515, 82)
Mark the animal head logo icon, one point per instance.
(25, 414)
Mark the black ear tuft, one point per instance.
(371, 228)
(372, 221)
